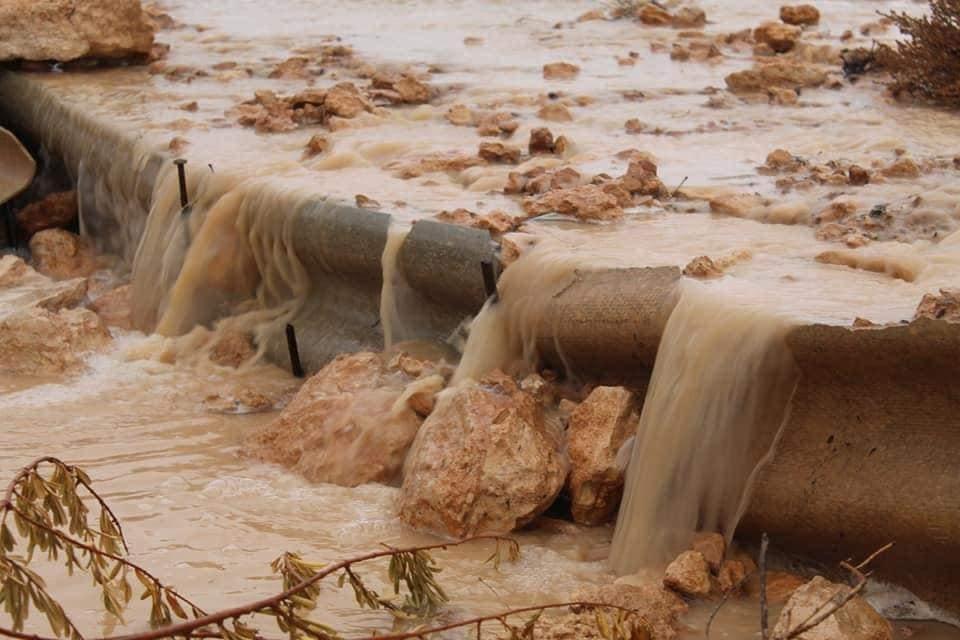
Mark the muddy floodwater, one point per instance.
(159, 427)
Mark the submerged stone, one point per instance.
(345, 426)
(37, 341)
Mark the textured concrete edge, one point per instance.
(338, 244)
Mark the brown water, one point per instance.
(210, 522)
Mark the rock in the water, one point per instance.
(587, 202)
(485, 461)
(560, 71)
(732, 576)
(12, 270)
(856, 620)
(778, 36)
(945, 306)
(56, 210)
(232, 348)
(37, 341)
(800, 14)
(713, 546)
(115, 307)
(689, 18)
(598, 428)
(345, 425)
(660, 607)
(702, 267)
(66, 30)
(689, 574)
(61, 254)
(778, 73)
(499, 152)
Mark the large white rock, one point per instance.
(856, 620)
(485, 461)
(66, 30)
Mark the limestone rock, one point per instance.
(689, 574)
(731, 576)
(945, 306)
(688, 18)
(587, 202)
(641, 178)
(857, 175)
(344, 100)
(499, 123)
(37, 341)
(317, 144)
(460, 115)
(702, 267)
(401, 88)
(713, 546)
(856, 620)
(902, 168)
(653, 15)
(499, 152)
(777, 73)
(61, 254)
(541, 141)
(659, 606)
(781, 160)
(560, 71)
(12, 270)
(597, 429)
(56, 210)
(345, 425)
(800, 14)
(778, 36)
(485, 461)
(66, 30)
(115, 307)
(232, 348)
(555, 112)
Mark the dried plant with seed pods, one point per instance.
(50, 508)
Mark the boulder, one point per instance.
(12, 270)
(732, 575)
(902, 168)
(115, 307)
(344, 426)
(60, 254)
(344, 100)
(56, 210)
(65, 30)
(800, 14)
(597, 430)
(587, 202)
(35, 341)
(660, 607)
(485, 461)
(778, 36)
(945, 306)
(856, 620)
(777, 73)
(689, 575)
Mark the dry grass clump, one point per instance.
(927, 65)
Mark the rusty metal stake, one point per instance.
(182, 175)
(295, 366)
(489, 280)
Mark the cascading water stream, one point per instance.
(717, 401)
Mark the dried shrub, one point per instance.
(927, 65)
